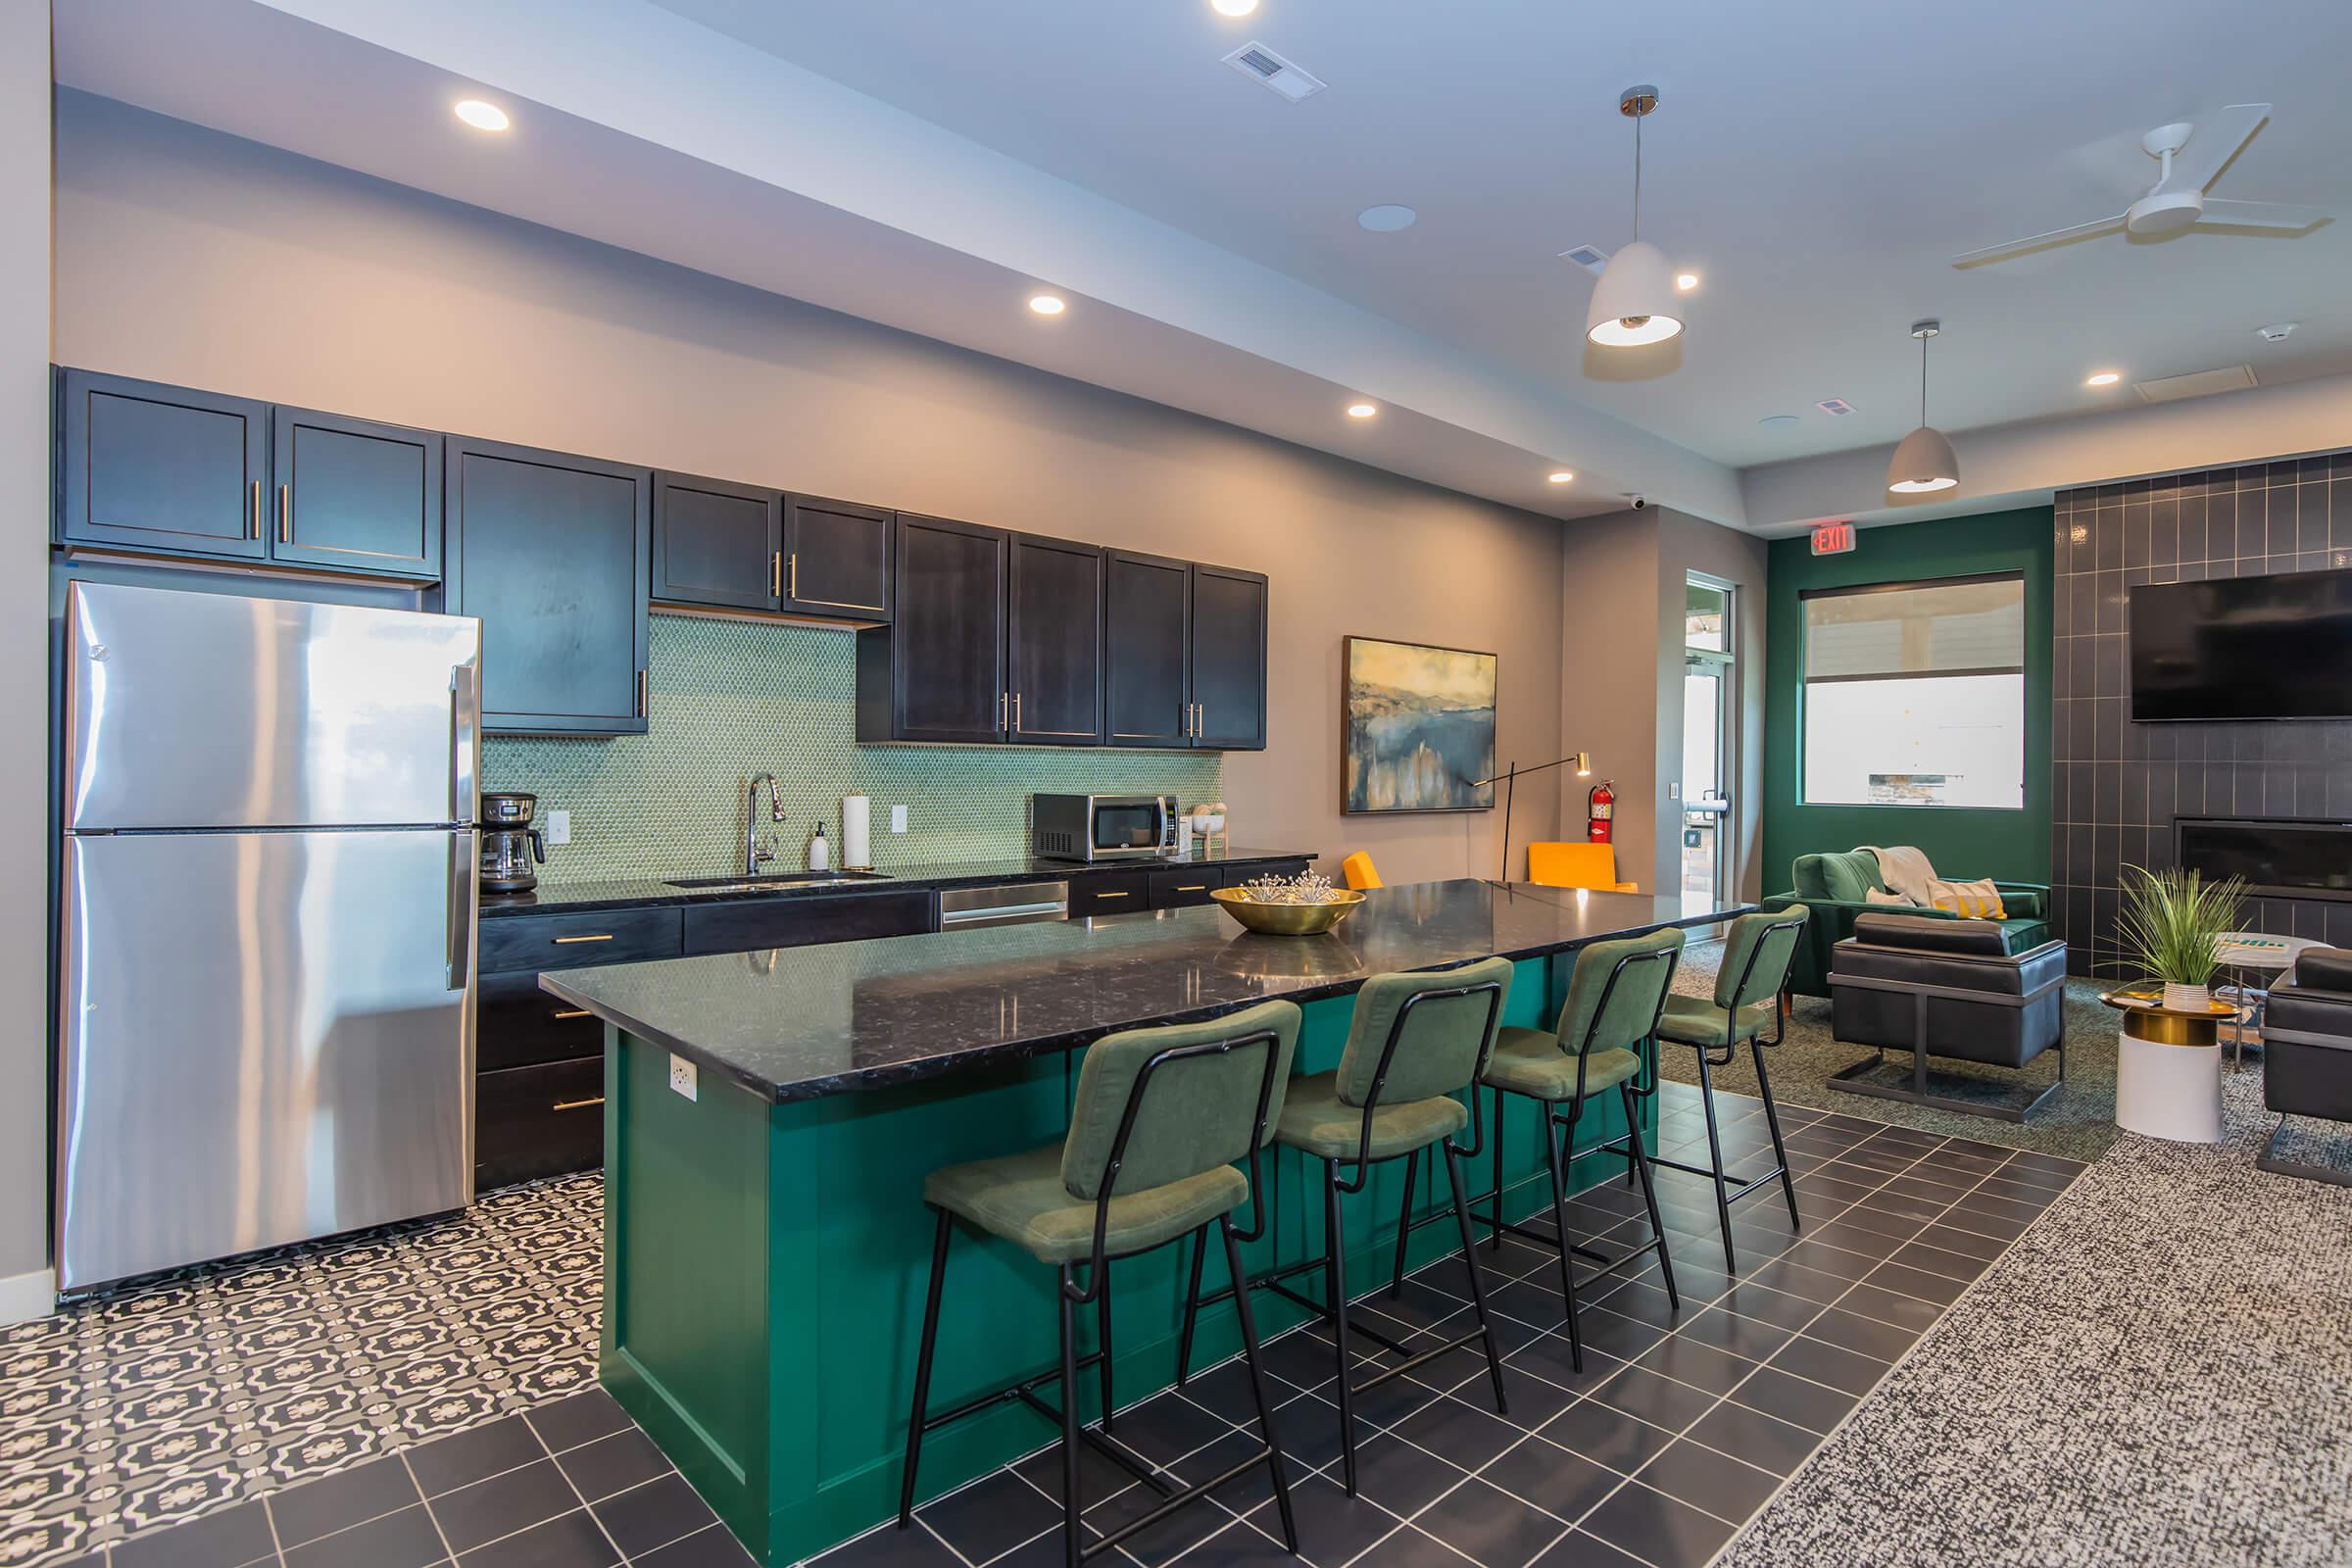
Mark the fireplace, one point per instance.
(2288, 859)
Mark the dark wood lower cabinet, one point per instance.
(530, 1122)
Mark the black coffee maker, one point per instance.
(510, 845)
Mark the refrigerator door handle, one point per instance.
(464, 866)
(465, 742)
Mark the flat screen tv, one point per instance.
(2276, 647)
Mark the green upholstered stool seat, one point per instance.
(1316, 1120)
(1697, 1022)
(1022, 1198)
(1531, 1062)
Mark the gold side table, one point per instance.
(2168, 1068)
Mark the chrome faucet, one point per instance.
(753, 852)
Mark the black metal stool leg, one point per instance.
(1495, 1242)
(1070, 1541)
(1258, 1381)
(1649, 1194)
(922, 1369)
(1722, 1200)
(1772, 1119)
(1102, 1285)
(1478, 1287)
(1404, 1218)
(1334, 1292)
(1559, 1220)
(1192, 1307)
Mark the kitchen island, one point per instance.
(766, 1243)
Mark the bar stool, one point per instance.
(1759, 951)
(1615, 995)
(1160, 1117)
(1414, 1042)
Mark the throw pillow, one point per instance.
(1971, 901)
(1889, 900)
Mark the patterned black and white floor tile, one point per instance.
(182, 1396)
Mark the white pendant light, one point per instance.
(1634, 302)
(1924, 461)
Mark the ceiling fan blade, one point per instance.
(2263, 215)
(2018, 247)
(2214, 142)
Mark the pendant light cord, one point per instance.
(1923, 378)
(1638, 119)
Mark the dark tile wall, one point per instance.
(2118, 785)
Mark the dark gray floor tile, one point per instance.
(582, 1418)
(1865, 1336)
(1919, 1283)
(1243, 1491)
(1606, 1435)
(1761, 1303)
(1705, 1479)
(1860, 1240)
(1658, 1528)
(1468, 1437)
(1399, 1476)
(886, 1547)
(1702, 1367)
(1746, 1337)
(338, 1501)
(1490, 1527)
(447, 1463)
(1333, 1527)
(1890, 1306)
(1225, 1391)
(1551, 1359)
(1822, 1258)
(503, 1504)
(568, 1540)
(1613, 1333)
(1409, 1547)
(2027, 1193)
(228, 1538)
(1557, 1480)
(403, 1539)
(1308, 1431)
(1659, 1400)
(652, 1515)
(1763, 1440)
(1794, 1279)
(994, 1514)
(709, 1548)
(1533, 1399)
(1937, 1260)
(1794, 1399)
(1168, 1427)
(615, 1463)
(1952, 1239)
(1239, 1545)
(1581, 1550)
(1823, 1362)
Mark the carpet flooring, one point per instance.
(2158, 1372)
(2075, 1123)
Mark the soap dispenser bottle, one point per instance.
(820, 852)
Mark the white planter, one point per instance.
(2168, 1091)
(2186, 999)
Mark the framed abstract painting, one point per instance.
(1418, 726)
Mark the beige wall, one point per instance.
(189, 257)
(1686, 545)
(24, 653)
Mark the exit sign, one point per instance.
(1833, 538)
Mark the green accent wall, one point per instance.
(2014, 846)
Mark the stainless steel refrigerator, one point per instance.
(266, 1007)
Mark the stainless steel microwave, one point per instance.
(1102, 827)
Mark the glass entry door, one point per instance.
(1709, 704)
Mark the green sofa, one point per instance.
(1833, 888)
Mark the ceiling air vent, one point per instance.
(1261, 63)
(1592, 258)
(1834, 405)
(2197, 384)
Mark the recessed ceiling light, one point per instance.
(2105, 378)
(1387, 219)
(482, 115)
(1047, 304)
(1562, 476)
(1361, 411)
(1686, 281)
(1233, 8)
(1777, 421)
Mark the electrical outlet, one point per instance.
(558, 828)
(682, 1077)
(898, 820)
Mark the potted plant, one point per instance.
(2171, 926)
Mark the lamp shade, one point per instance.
(1634, 302)
(1923, 463)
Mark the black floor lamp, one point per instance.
(1509, 779)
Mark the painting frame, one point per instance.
(1348, 771)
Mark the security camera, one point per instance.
(1638, 501)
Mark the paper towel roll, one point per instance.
(857, 844)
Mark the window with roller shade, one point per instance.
(1915, 694)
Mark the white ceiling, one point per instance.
(1817, 164)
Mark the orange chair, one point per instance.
(1577, 866)
(1358, 870)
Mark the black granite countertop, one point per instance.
(800, 1023)
(636, 893)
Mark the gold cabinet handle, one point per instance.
(569, 1012)
(1017, 713)
(285, 514)
(601, 936)
(792, 575)
(576, 1105)
(1194, 887)
(1109, 895)
(257, 509)
(775, 574)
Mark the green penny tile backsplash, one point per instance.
(734, 698)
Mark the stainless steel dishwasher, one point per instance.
(1021, 904)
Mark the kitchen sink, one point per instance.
(779, 881)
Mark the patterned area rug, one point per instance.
(2159, 1372)
(186, 1395)
(2078, 1122)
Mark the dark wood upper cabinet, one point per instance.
(837, 559)
(159, 467)
(1149, 615)
(937, 671)
(1228, 659)
(555, 554)
(717, 543)
(1054, 642)
(353, 495)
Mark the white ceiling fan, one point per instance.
(2191, 152)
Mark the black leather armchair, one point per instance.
(2307, 1053)
(1949, 988)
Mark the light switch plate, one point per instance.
(682, 1077)
(898, 820)
(559, 827)
(1674, 790)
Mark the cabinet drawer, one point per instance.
(1109, 893)
(1177, 886)
(537, 942)
(519, 1025)
(530, 1122)
(758, 923)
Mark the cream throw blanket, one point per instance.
(1905, 870)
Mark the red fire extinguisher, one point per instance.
(1599, 809)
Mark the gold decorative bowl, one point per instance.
(1286, 919)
